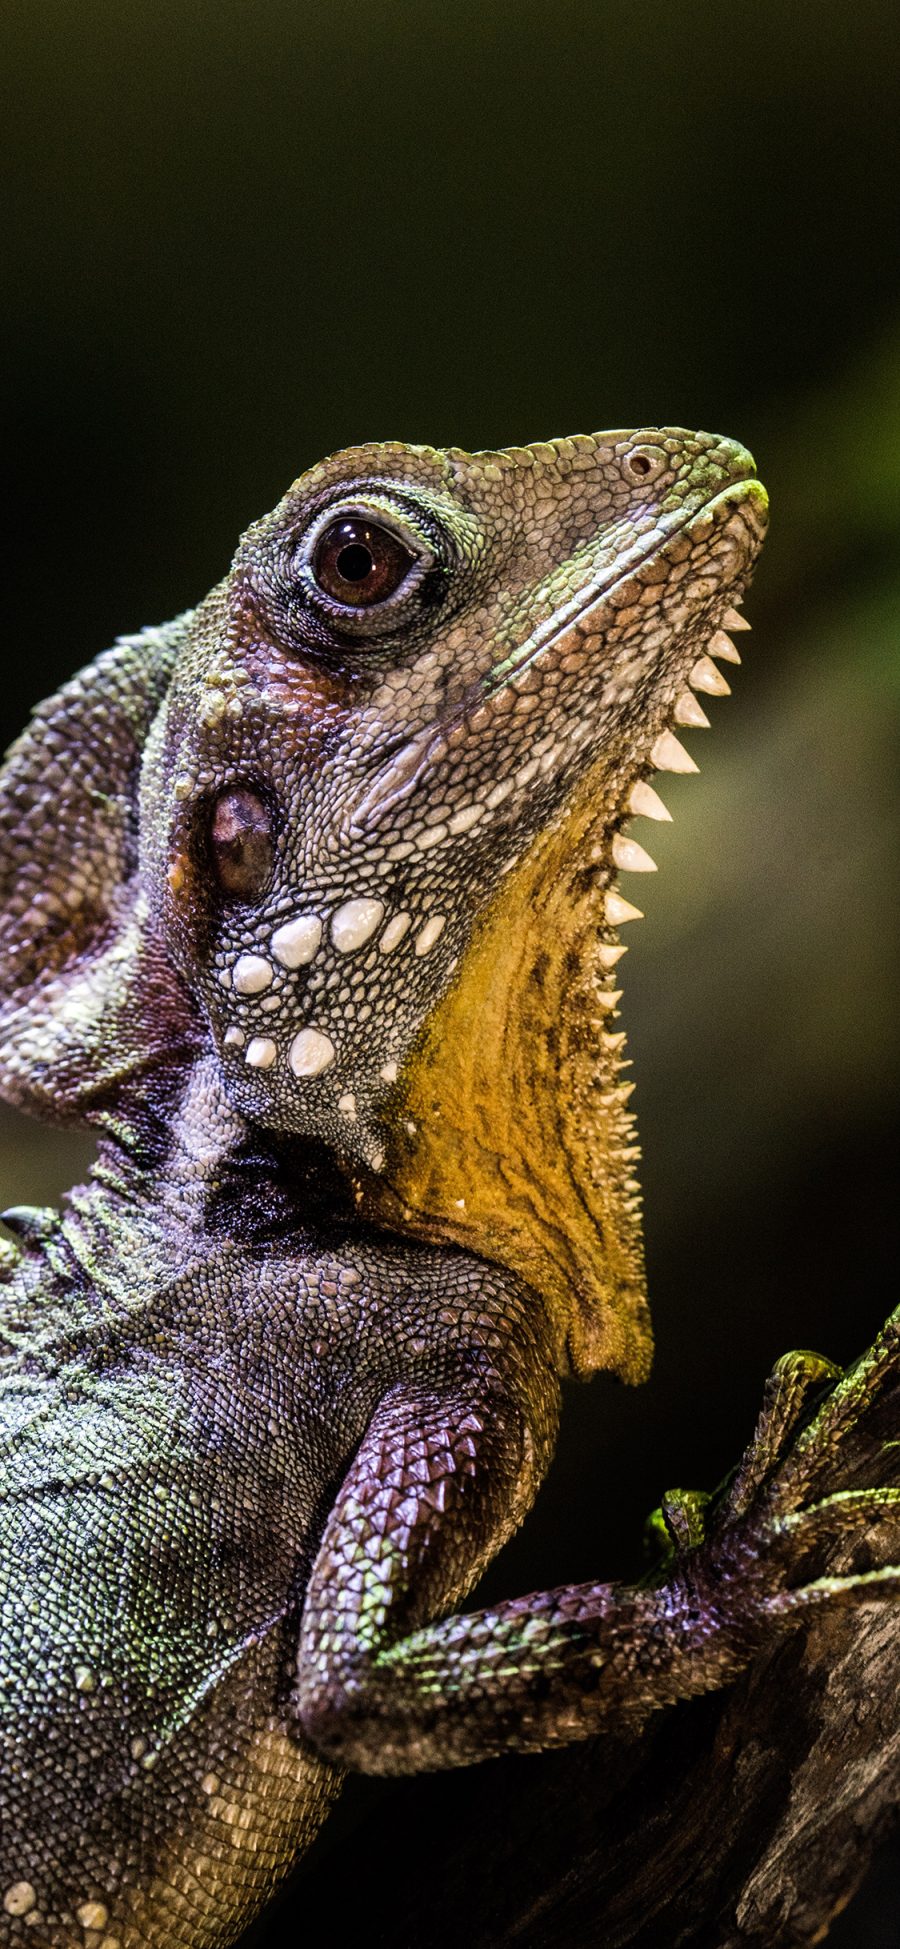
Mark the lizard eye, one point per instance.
(359, 562)
(363, 563)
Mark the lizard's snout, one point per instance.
(739, 460)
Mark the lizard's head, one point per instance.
(388, 805)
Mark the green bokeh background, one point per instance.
(238, 236)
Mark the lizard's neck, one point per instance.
(179, 1168)
(168, 1140)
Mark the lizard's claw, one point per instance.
(679, 1524)
(681, 1521)
(759, 1551)
(790, 1391)
(861, 1589)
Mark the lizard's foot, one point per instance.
(803, 1487)
(681, 1521)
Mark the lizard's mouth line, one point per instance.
(738, 497)
(614, 850)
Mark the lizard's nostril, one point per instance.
(241, 843)
(643, 464)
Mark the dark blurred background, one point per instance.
(237, 237)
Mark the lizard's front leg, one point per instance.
(426, 1502)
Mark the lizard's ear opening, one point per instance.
(86, 999)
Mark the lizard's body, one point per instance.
(158, 1663)
(198, 1424)
(309, 906)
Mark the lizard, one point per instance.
(310, 909)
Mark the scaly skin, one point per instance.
(308, 907)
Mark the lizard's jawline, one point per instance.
(525, 1148)
(398, 778)
(739, 494)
